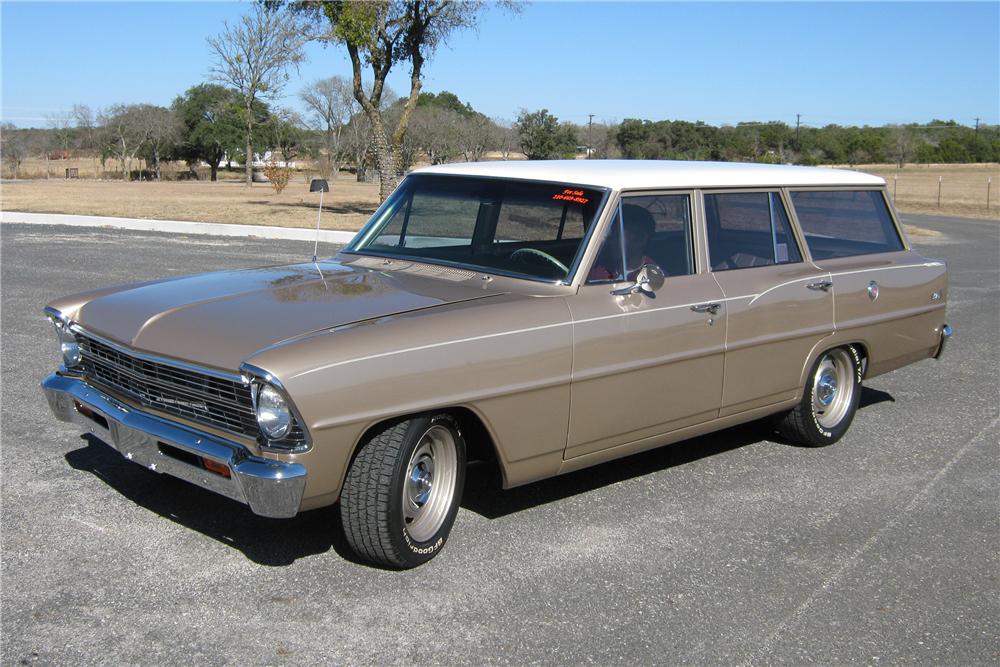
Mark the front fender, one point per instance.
(508, 359)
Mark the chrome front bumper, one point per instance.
(945, 335)
(270, 488)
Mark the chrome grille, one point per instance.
(224, 404)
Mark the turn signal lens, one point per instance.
(215, 466)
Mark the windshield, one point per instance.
(524, 229)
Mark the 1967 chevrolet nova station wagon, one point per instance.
(550, 315)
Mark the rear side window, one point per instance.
(748, 229)
(844, 224)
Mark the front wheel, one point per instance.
(403, 490)
(829, 400)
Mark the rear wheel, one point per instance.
(403, 489)
(829, 400)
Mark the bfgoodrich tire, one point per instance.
(829, 400)
(403, 490)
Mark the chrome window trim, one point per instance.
(362, 235)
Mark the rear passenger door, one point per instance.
(778, 306)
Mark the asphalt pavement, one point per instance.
(734, 548)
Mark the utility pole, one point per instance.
(590, 134)
(798, 119)
(977, 126)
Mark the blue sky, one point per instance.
(847, 63)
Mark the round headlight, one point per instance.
(273, 415)
(68, 346)
(71, 353)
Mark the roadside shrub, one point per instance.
(278, 176)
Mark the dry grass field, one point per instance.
(963, 188)
(347, 206)
(963, 193)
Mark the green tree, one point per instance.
(448, 101)
(210, 126)
(378, 35)
(543, 138)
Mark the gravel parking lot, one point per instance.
(734, 548)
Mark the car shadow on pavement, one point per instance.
(273, 542)
(278, 542)
(871, 396)
(484, 493)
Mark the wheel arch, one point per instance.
(480, 441)
(832, 343)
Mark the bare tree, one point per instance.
(285, 134)
(62, 133)
(13, 148)
(357, 142)
(124, 134)
(86, 135)
(477, 135)
(603, 140)
(506, 138)
(901, 141)
(44, 142)
(331, 104)
(435, 132)
(253, 58)
(160, 128)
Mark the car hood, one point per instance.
(220, 319)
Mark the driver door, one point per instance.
(644, 366)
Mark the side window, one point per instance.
(844, 224)
(657, 230)
(748, 229)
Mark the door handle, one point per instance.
(707, 308)
(822, 285)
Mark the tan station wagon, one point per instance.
(547, 315)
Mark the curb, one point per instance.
(177, 226)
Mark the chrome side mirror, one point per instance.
(648, 281)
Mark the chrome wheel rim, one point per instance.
(833, 388)
(429, 485)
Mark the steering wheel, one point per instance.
(523, 254)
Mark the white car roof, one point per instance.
(648, 174)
